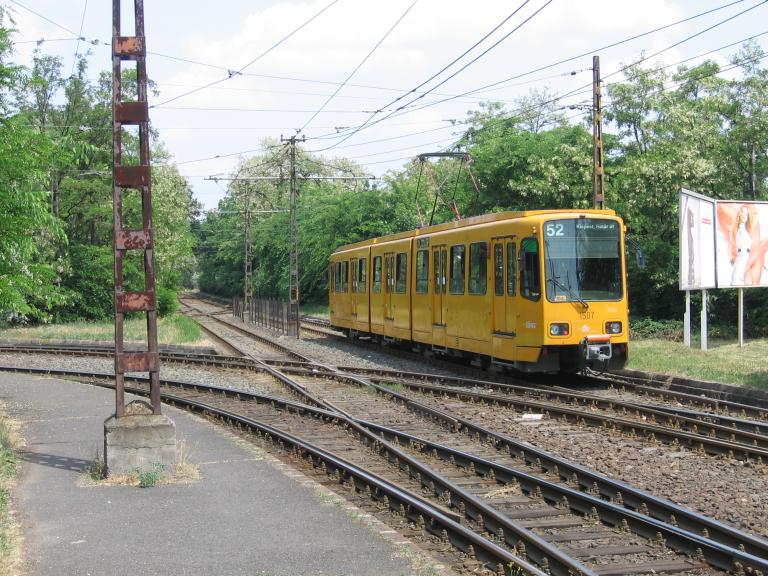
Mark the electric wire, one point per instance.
(76, 35)
(231, 73)
(370, 122)
(363, 61)
(79, 38)
(600, 49)
(572, 58)
(447, 66)
(586, 87)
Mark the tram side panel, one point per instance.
(348, 289)
(392, 304)
(338, 288)
(422, 288)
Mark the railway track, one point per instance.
(512, 495)
(561, 529)
(591, 410)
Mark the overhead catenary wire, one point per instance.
(454, 61)
(363, 61)
(231, 73)
(588, 86)
(562, 61)
(453, 75)
(595, 50)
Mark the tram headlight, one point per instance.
(559, 329)
(613, 327)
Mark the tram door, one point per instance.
(389, 288)
(439, 280)
(353, 293)
(504, 296)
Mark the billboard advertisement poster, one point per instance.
(697, 241)
(742, 244)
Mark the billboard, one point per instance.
(742, 243)
(697, 241)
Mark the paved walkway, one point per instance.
(248, 514)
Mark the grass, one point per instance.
(150, 478)
(176, 329)
(724, 361)
(8, 540)
(184, 472)
(318, 310)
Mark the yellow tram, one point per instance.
(538, 291)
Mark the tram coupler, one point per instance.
(596, 347)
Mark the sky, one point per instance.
(324, 68)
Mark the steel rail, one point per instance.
(613, 514)
(650, 431)
(688, 393)
(656, 415)
(631, 498)
(692, 543)
(255, 336)
(646, 526)
(485, 550)
(424, 410)
(392, 496)
(732, 422)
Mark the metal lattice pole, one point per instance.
(293, 262)
(248, 280)
(132, 177)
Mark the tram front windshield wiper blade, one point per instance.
(571, 293)
(557, 284)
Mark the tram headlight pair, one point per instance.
(559, 329)
(613, 327)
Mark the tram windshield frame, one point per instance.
(582, 260)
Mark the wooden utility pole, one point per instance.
(598, 175)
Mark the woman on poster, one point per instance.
(745, 248)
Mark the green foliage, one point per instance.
(167, 301)
(56, 194)
(150, 478)
(91, 282)
(657, 329)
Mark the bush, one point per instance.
(661, 329)
(167, 302)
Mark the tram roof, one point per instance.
(473, 221)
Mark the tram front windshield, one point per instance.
(582, 260)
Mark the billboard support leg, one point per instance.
(741, 317)
(704, 320)
(687, 319)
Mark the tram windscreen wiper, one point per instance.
(557, 284)
(569, 291)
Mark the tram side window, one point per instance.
(478, 267)
(376, 288)
(401, 273)
(362, 271)
(337, 276)
(422, 271)
(332, 276)
(457, 269)
(345, 276)
(530, 274)
(511, 269)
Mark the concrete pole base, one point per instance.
(139, 441)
